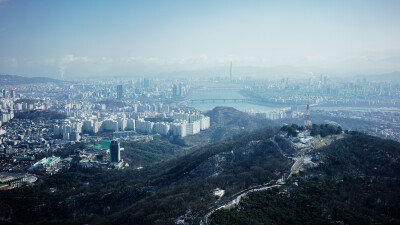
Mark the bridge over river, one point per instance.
(216, 100)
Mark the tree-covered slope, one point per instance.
(357, 182)
(157, 194)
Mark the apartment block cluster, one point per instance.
(77, 109)
(6, 110)
(286, 112)
(7, 94)
(11, 105)
(125, 124)
(186, 124)
(5, 117)
(183, 124)
(8, 107)
(123, 121)
(272, 115)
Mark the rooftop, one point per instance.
(6, 177)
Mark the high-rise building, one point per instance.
(230, 72)
(180, 90)
(74, 136)
(120, 92)
(115, 151)
(146, 83)
(175, 91)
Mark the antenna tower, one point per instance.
(307, 122)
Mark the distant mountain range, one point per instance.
(277, 72)
(390, 77)
(14, 80)
(242, 72)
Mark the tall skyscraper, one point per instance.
(307, 121)
(120, 92)
(114, 151)
(180, 90)
(146, 83)
(230, 72)
(175, 91)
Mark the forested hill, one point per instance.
(154, 195)
(357, 181)
(40, 115)
(187, 183)
(17, 80)
(346, 177)
(228, 121)
(228, 116)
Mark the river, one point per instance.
(224, 92)
(220, 91)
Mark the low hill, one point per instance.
(40, 115)
(225, 122)
(17, 80)
(228, 117)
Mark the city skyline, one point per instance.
(88, 39)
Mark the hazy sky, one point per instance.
(88, 38)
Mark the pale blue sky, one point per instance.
(89, 38)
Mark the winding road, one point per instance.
(298, 162)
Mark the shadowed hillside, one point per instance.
(353, 178)
(357, 183)
(225, 122)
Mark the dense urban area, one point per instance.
(39, 122)
(58, 127)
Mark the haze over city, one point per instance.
(199, 112)
(75, 39)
